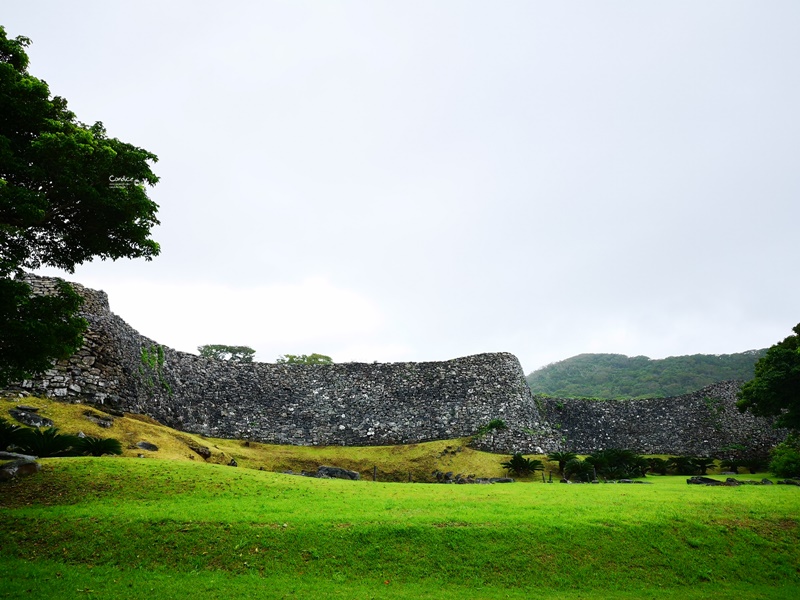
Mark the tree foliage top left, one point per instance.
(68, 192)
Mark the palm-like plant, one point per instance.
(657, 465)
(703, 463)
(95, 446)
(47, 442)
(562, 458)
(10, 434)
(618, 463)
(731, 464)
(579, 469)
(522, 466)
(682, 465)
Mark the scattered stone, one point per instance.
(789, 482)
(19, 467)
(107, 409)
(501, 480)
(233, 463)
(14, 455)
(337, 473)
(202, 451)
(699, 480)
(30, 419)
(146, 446)
(729, 482)
(26, 408)
(104, 422)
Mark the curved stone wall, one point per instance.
(700, 423)
(377, 403)
(339, 404)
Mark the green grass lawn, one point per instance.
(134, 528)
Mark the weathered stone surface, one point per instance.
(105, 422)
(30, 419)
(147, 446)
(337, 473)
(340, 404)
(700, 423)
(20, 467)
(202, 451)
(14, 456)
(358, 404)
(698, 480)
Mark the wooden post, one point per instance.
(374, 472)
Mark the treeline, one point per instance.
(616, 376)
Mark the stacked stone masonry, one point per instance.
(371, 403)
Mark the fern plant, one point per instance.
(95, 446)
(521, 466)
(10, 434)
(48, 442)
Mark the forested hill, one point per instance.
(620, 376)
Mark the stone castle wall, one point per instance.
(339, 404)
(374, 403)
(699, 423)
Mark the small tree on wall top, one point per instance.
(304, 359)
(235, 354)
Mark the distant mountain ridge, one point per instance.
(616, 376)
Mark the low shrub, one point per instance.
(579, 469)
(10, 434)
(618, 463)
(46, 443)
(657, 465)
(95, 446)
(562, 458)
(786, 458)
(702, 463)
(683, 465)
(521, 466)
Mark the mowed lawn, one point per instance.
(138, 528)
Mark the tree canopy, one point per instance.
(612, 376)
(236, 354)
(775, 389)
(68, 194)
(304, 359)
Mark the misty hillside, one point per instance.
(619, 376)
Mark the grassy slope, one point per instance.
(393, 462)
(139, 521)
(124, 527)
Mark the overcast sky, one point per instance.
(400, 180)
